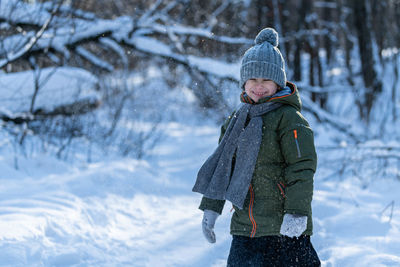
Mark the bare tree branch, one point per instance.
(11, 57)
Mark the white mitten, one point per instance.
(293, 225)
(208, 223)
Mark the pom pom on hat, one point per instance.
(267, 35)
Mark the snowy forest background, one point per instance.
(108, 109)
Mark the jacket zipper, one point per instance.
(253, 222)
(281, 187)
(297, 143)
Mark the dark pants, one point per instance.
(272, 251)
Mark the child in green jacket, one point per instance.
(264, 165)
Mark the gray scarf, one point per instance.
(214, 179)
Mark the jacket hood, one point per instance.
(292, 98)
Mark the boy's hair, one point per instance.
(264, 60)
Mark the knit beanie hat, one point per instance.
(264, 60)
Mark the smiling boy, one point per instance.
(264, 165)
(257, 88)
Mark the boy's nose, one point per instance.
(258, 85)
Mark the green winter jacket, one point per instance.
(283, 177)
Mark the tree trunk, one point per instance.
(304, 8)
(372, 83)
(297, 61)
(262, 14)
(327, 16)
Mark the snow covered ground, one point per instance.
(127, 212)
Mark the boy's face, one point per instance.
(257, 88)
